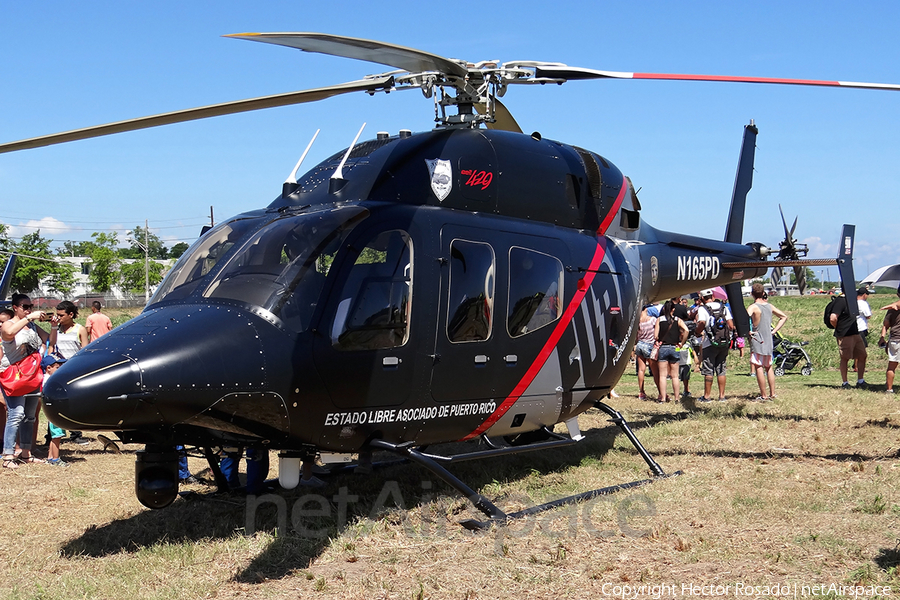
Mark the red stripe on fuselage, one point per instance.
(607, 220)
(547, 350)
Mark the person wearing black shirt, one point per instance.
(849, 342)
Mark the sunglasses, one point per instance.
(26, 306)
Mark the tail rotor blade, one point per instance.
(800, 276)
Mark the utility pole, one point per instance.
(146, 262)
(145, 246)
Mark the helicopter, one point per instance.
(472, 282)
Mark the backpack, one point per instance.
(828, 310)
(717, 332)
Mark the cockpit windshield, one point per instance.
(280, 267)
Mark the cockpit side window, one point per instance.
(201, 258)
(471, 303)
(374, 304)
(282, 267)
(535, 289)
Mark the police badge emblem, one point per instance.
(441, 177)
(654, 270)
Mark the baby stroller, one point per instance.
(787, 354)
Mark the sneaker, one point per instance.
(686, 394)
(704, 399)
(862, 385)
(760, 399)
(642, 396)
(57, 462)
(722, 399)
(613, 394)
(890, 391)
(313, 481)
(845, 385)
(81, 441)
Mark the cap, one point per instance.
(863, 290)
(706, 293)
(51, 359)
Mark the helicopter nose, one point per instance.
(161, 368)
(99, 396)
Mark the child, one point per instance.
(51, 363)
(685, 360)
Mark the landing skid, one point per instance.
(432, 462)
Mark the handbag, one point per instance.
(23, 377)
(654, 354)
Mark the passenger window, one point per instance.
(535, 287)
(471, 304)
(374, 309)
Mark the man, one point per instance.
(761, 339)
(850, 344)
(862, 319)
(715, 324)
(97, 323)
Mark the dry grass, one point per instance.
(800, 491)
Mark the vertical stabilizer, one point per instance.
(845, 267)
(734, 230)
(743, 181)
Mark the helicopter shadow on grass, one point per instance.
(305, 521)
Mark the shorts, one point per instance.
(668, 353)
(761, 360)
(714, 358)
(684, 373)
(55, 432)
(643, 349)
(851, 347)
(893, 350)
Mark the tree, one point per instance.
(70, 248)
(134, 278)
(178, 249)
(105, 270)
(152, 241)
(36, 263)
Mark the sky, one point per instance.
(826, 156)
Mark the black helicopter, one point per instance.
(469, 282)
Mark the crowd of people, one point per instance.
(702, 334)
(25, 348)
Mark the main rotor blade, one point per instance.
(204, 112)
(400, 57)
(503, 119)
(575, 73)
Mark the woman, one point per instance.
(21, 337)
(670, 331)
(643, 348)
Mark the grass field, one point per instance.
(802, 491)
